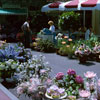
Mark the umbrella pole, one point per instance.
(84, 18)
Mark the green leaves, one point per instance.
(69, 20)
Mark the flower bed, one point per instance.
(16, 52)
(34, 78)
(71, 86)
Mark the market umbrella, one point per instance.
(90, 5)
(74, 5)
(51, 7)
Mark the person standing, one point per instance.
(27, 33)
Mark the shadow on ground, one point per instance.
(88, 64)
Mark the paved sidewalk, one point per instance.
(5, 94)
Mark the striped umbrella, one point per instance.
(90, 5)
(51, 7)
(81, 5)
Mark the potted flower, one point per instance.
(8, 68)
(54, 92)
(83, 52)
(34, 78)
(96, 52)
(70, 82)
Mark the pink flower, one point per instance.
(24, 85)
(79, 79)
(71, 72)
(42, 71)
(99, 82)
(89, 74)
(20, 90)
(49, 81)
(32, 89)
(59, 76)
(84, 93)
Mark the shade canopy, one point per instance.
(90, 5)
(72, 5)
(82, 5)
(13, 11)
(51, 7)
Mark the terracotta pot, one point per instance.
(82, 59)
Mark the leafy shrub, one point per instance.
(45, 46)
(69, 20)
(67, 50)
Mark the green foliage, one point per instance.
(90, 43)
(67, 50)
(63, 51)
(69, 20)
(46, 46)
(71, 49)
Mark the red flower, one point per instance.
(59, 76)
(79, 79)
(71, 72)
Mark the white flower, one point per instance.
(31, 66)
(20, 90)
(2, 66)
(10, 60)
(8, 63)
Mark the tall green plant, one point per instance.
(69, 20)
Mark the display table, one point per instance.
(45, 37)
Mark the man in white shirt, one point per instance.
(27, 32)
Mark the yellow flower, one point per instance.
(34, 43)
(80, 48)
(63, 42)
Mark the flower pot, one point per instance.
(70, 56)
(98, 58)
(82, 59)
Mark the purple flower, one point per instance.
(59, 76)
(71, 72)
(79, 79)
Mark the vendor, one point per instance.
(52, 27)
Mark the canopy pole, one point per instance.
(84, 18)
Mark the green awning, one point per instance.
(13, 11)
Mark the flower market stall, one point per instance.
(66, 87)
